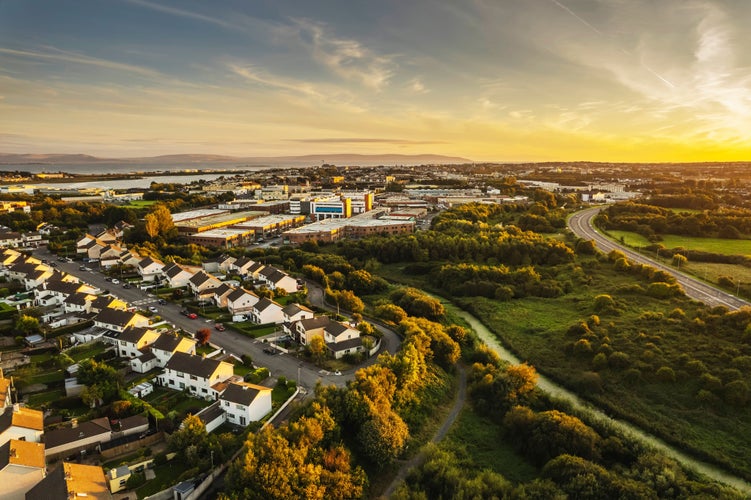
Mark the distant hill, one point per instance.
(306, 160)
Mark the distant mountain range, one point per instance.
(194, 159)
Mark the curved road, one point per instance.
(581, 225)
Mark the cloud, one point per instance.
(54, 54)
(363, 140)
(250, 73)
(417, 86)
(183, 13)
(345, 57)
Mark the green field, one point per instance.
(712, 245)
(141, 203)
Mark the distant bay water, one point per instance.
(142, 175)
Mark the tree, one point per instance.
(27, 324)
(317, 348)
(192, 433)
(203, 335)
(151, 225)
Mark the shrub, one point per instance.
(582, 347)
(696, 367)
(604, 303)
(619, 360)
(666, 374)
(711, 383)
(600, 361)
(736, 393)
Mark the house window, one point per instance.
(226, 403)
(193, 377)
(122, 342)
(239, 407)
(182, 385)
(204, 390)
(242, 420)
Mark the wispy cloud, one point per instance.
(254, 75)
(54, 54)
(416, 86)
(175, 11)
(346, 57)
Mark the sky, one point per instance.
(488, 80)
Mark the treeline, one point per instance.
(651, 221)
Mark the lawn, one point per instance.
(166, 475)
(140, 203)
(713, 245)
(253, 330)
(40, 398)
(86, 351)
(167, 400)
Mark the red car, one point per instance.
(192, 315)
(219, 327)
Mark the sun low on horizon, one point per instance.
(539, 80)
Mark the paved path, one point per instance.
(417, 460)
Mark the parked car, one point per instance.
(126, 285)
(269, 350)
(192, 316)
(153, 309)
(115, 281)
(219, 327)
(162, 302)
(184, 312)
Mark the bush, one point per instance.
(737, 393)
(666, 374)
(619, 360)
(600, 361)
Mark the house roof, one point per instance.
(293, 308)
(24, 453)
(117, 317)
(254, 268)
(223, 289)
(146, 355)
(96, 427)
(21, 417)
(133, 422)
(242, 262)
(71, 481)
(77, 299)
(4, 386)
(173, 270)
(345, 344)
(335, 328)
(133, 334)
(201, 277)
(193, 365)
(239, 293)
(242, 393)
(210, 413)
(265, 303)
(313, 323)
(147, 261)
(168, 342)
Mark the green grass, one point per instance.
(41, 358)
(170, 400)
(166, 475)
(48, 377)
(86, 351)
(140, 203)
(713, 245)
(252, 330)
(204, 349)
(479, 444)
(241, 370)
(40, 398)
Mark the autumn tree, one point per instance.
(317, 348)
(203, 335)
(27, 324)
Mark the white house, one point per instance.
(159, 352)
(266, 311)
(197, 374)
(241, 301)
(85, 436)
(131, 340)
(221, 293)
(245, 403)
(295, 312)
(117, 320)
(276, 279)
(340, 339)
(150, 269)
(177, 275)
(202, 281)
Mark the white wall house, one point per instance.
(245, 403)
(195, 373)
(266, 311)
(241, 301)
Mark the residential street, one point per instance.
(231, 341)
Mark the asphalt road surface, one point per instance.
(581, 225)
(307, 374)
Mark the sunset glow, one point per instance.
(538, 80)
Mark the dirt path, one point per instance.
(417, 460)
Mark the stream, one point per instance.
(626, 428)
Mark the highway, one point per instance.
(581, 225)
